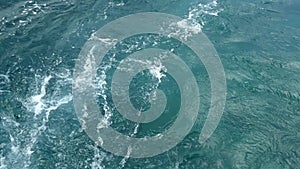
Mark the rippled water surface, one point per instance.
(258, 42)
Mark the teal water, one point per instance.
(258, 42)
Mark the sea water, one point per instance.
(258, 42)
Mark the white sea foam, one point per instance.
(292, 65)
(4, 80)
(84, 80)
(157, 70)
(101, 88)
(111, 5)
(155, 66)
(124, 160)
(41, 107)
(183, 29)
(2, 162)
(63, 74)
(98, 158)
(135, 130)
(199, 10)
(33, 8)
(36, 101)
(194, 21)
(107, 41)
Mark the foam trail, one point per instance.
(124, 160)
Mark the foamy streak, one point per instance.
(107, 41)
(100, 85)
(124, 160)
(101, 89)
(135, 129)
(87, 72)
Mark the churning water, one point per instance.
(258, 42)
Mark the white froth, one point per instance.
(111, 5)
(194, 22)
(4, 79)
(107, 41)
(36, 101)
(41, 107)
(97, 159)
(84, 79)
(157, 69)
(2, 162)
(124, 160)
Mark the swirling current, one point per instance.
(258, 43)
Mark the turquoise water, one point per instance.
(258, 42)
